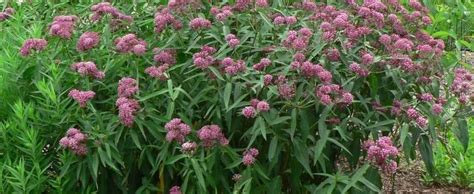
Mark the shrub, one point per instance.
(200, 98)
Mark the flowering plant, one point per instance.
(252, 97)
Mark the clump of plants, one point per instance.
(251, 97)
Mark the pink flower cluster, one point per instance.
(327, 94)
(88, 68)
(204, 58)
(127, 106)
(232, 67)
(221, 14)
(103, 8)
(75, 140)
(82, 97)
(462, 85)
(199, 23)
(419, 119)
(164, 18)
(298, 40)
(261, 3)
(249, 156)
(256, 107)
(175, 190)
(177, 130)
(158, 72)
(232, 40)
(189, 147)
(280, 20)
(87, 41)
(264, 62)
(241, 5)
(309, 69)
(267, 79)
(182, 5)
(130, 43)
(333, 54)
(164, 58)
(33, 44)
(6, 14)
(286, 90)
(382, 154)
(210, 135)
(63, 26)
(357, 69)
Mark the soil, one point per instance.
(408, 179)
(468, 57)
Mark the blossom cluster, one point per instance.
(130, 43)
(63, 26)
(232, 67)
(204, 58)
(221, 14)
(127, 106)
(7, 13)
(88, 68)
(328, 94)
(280, 20)
(33, 44)
(101, 9)
(82, 97)
(164, 18)
(175, 190)
(298, 40)
(249, 156)
(164, 58)
(264, 62)
(211, 135)
(462, 85)
(255, 107)
(199, 23)
(87, 41)
(76, 141)
(382, 154)
(177, 130)
(232, 40)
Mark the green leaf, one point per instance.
(199, 175)
(379, 124)
(227, 91)
(426, 152)
(462, 132)
(356, 178)
(300, 151)
(272, 149)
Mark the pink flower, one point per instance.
(267, 79)
(347, 98)
(88, 68)
(221, 14)
(130, 43)
(158, 72)
(356, 68)
(232, 40)
(286, 91)
(33, 44)
(263, 106)
(175, 190)
(427, 97)
(163, 19)
(382, 154)
(6, 14)
(164, 56)
(177, 130)
(412, 113)
(63, 26)
(204, 58)
(82, 97)
(422, 122)
(261, 3)
(199, 23)
(101, 9)
(333, 54)
(87, 41)
(367, 59)
(75, 140)
(437, 109)
(385, 39)
(210, 135)
(127, 109)
(189, 147)
(249, 112)
(249, 156)
(127, 87)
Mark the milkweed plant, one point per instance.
(225, 97)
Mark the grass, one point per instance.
(456, 168)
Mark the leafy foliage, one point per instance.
(302, 140)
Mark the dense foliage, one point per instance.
(200, 97)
